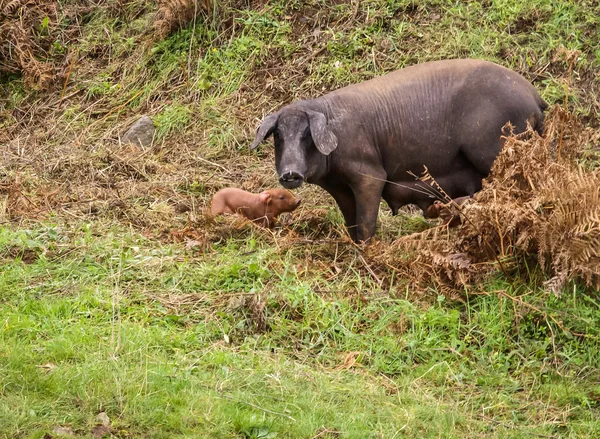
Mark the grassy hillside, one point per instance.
(125, 312)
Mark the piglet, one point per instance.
(261, 208)
(448, 212)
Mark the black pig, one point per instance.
(361, 142)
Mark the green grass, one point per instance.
(207, 62)
(170, 341)
(173, 118)
(103, 320)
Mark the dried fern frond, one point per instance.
(18, 53)
(534, 203)
(11, 7)
(173, 14)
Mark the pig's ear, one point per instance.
(265, 197)
(265, 129)
(324, 139)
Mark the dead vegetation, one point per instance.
(36, 36)
(174, 14)
(538, 202)
(22, 24)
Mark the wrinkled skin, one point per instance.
(362, 142)
(263, 208)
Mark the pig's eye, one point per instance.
(281, 198)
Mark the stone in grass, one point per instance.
(103, 429)
(63, 431)
(141, 132)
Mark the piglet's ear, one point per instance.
(324, 139)
(265, 129)
(265, 197)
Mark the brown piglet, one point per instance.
(261, 208)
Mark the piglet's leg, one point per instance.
(263, 221)
(220, 208)
(445, 211)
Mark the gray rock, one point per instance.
(63, 431)
(141, 132)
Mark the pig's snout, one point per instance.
(291, 179)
